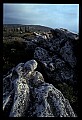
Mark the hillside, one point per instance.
(40, 72)
(32, 28)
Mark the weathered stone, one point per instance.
(50, 102)
(59, 63)
(32, 96)
(67, 53)
(21, 98)
(41, 54)
(25, 92)
(30, 65)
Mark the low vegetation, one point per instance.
(15, 51)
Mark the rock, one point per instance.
(30, 65)
(29, 95)
(67, 75)
(67, 53)
(59, 63)
(41, 54)
(57, 69)
(57, 66)
(51, 66)
(64, 33)
(55, 57)
(58, 33)
(50, 102)
(55, 44)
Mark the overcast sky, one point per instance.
(51, 15)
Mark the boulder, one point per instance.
(28, 95)
(54, 67)
(50, 102)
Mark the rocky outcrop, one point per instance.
(31, 89)
(57, 55)
(41, 54)
(26, 94)
(54, 67)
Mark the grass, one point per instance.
(69, 93)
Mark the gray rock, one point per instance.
(30, 45)
(21, 98)
(30, 66)
(50, 102)
(32, 96)
(57, 33)
(67, 75)
(67, 53)
(41, 54)
(59, 63)
(63, 46)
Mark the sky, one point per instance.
(50, 15)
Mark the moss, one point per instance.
(7, 66)
(69, 93)
(14, 52)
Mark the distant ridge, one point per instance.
(31, 27)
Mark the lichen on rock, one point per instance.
(32, 96)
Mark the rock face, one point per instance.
(26, 94)
(57, 55)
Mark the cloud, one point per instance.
(52, 15)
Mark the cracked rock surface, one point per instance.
(26, 94)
